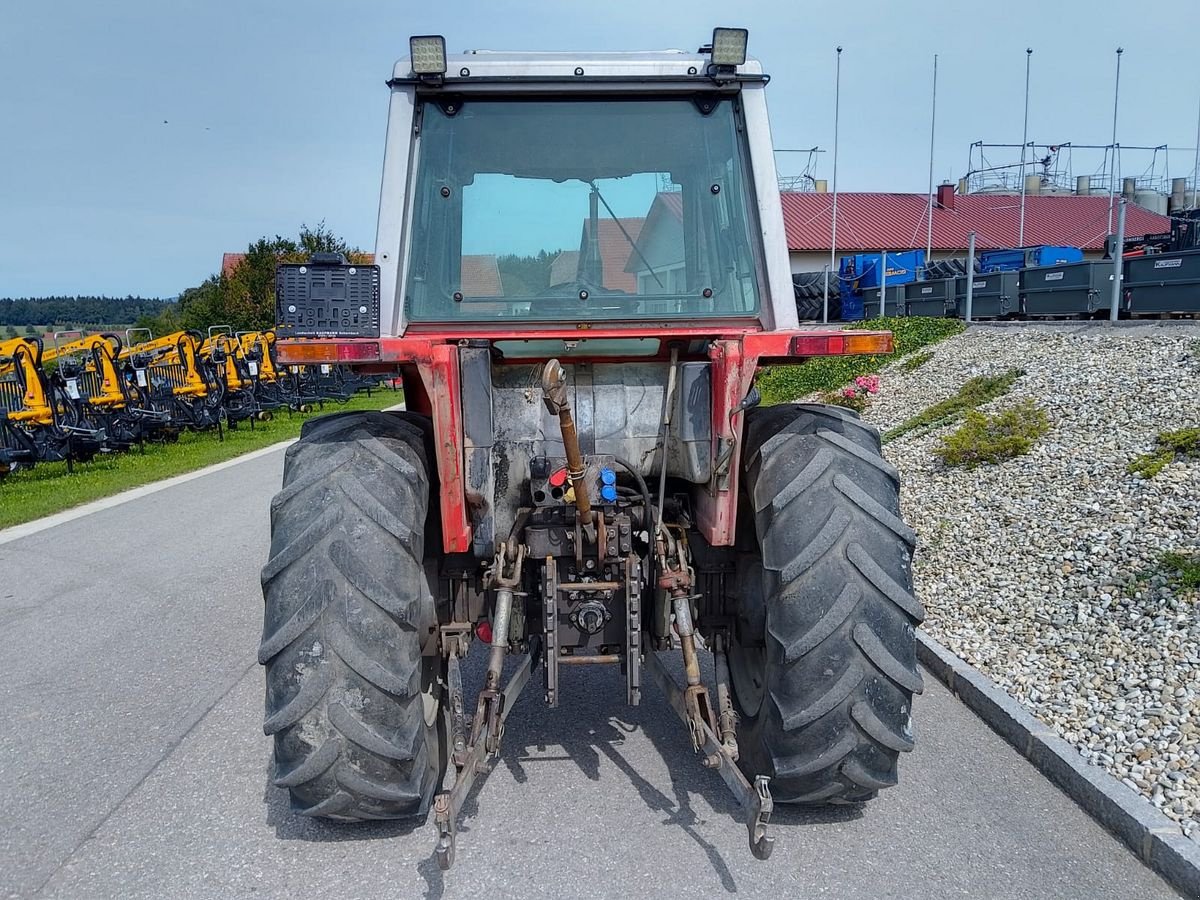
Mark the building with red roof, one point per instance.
(870, 222)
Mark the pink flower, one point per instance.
(869, 383)
(849, 393)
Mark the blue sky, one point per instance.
(142, 139)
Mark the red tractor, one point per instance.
(581, 268)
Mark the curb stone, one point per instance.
(1154, 839)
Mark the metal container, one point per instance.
(852, 308)
(929, 298)
(1162, 283)
(995, 295)
(863, 270)
(1072, 289)
(1154, 201)
(1023, 257)
(894, 305)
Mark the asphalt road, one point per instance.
(133, 764)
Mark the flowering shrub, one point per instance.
(868, 383)
(855, 396)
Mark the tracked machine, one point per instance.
(582, 267)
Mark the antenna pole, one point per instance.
(1196, 164)
(837, 99)
(932, 131)
(1112, 165)
(1024, 145)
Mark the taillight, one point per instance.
(309, 352)
(841, 343)
(868, 343)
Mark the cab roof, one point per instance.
(635, 64)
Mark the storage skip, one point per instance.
(929, 298)
(1073, 289)
(995, 295)
(893, 306)
(1163, 283)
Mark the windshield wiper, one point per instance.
(625, 233)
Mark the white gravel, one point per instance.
(1044, 571)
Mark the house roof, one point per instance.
(565, 267)
(229, 262)
(614, 250)
(666, 203)
(868, 221)
(480, 276)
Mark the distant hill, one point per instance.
(23, 311)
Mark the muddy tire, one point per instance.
(823, 657)
(352, 705)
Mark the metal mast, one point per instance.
(1196, 164)
(1112, 165)
(932, 130)
(1024, 144)
(837, 98)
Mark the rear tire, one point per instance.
(353, 706)
(823, 659)
(811, 309)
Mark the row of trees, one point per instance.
(244, 298)
(23, 311)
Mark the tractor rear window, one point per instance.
(581, 210)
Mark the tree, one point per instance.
(166, 321)
(29, 329)
(202, 305)
(10, 332)
(245, 297)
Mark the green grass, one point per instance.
(782, 384)
(993, 438)
(974, 392)
(1168, 445)
(1182, 568)
(48, 487)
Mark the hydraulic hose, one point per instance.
(647, 513)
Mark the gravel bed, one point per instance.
(1044, 571)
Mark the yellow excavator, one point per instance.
(175, 377)
(39, 420)
(88, 367)
(223, 353)
(258, 360)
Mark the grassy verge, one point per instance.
(48, 488)
(782, 384)
(974, 392)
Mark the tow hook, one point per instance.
(755, 799)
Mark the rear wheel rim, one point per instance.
(748, 663)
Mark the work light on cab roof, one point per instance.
(428, 52)
(581, 267)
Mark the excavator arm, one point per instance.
(101, 352)
(23, 358)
